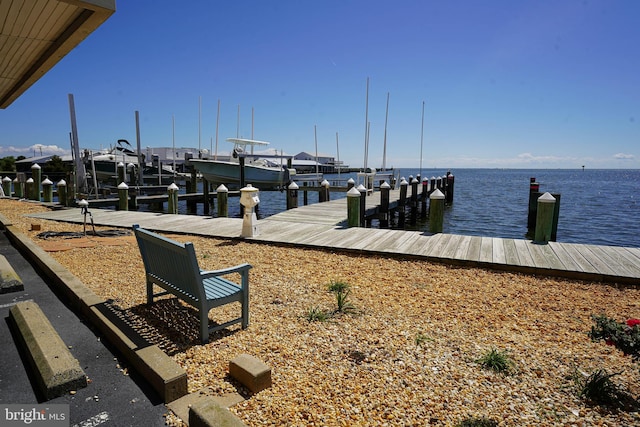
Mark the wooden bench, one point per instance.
(173, 266)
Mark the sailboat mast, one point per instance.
(315, 136)
(366, 127)
(173, 155)
(421, 138)
(217, 124)
(384, 147)
(199, 126)
(338, 154)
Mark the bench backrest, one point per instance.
(171, 261)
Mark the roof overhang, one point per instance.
(36, 34)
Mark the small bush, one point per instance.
(421, 339)
(624, 336)
(341, 291)
(497, 361)
(316, 314)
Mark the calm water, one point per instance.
(596, 206)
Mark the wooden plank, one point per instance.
(612, 261)
(510, 252)
(463, 248)
(628, 258)
(436, 249)
(524, 254)
(473, 254)
(544, 257)
(578, 258)
(450, 250)
(566, 258)
(595, 260)
(486, 249)
(499, 256)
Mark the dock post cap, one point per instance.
(414, 181)
(6, 179)
(547, 198)
(123, 186)
(47, 181)
(62, 182)
(436, 195)
(171, 187)
(361, 188)
(222, 189)
(353, 192)
(324, 183)
(35, 166)
(294, 186)
(403, 181)
(351, 180)
(30, 180)
(385, 184)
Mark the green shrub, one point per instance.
(497, 361)
(316, 314)
(624, 336)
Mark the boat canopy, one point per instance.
(241, 141)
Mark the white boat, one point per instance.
(259, 170)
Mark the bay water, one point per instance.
(600, 207)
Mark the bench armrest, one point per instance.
(242, 269)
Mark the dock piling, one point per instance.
(123, 197)
(47, 190)
(436, 211)
(172, 191)
(6, 186)
(544, 218)
(222, 194)
(292, 195)
(353, 207)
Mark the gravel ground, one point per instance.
(405, 355)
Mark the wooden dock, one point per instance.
(323, 225)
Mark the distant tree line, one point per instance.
(54, 167)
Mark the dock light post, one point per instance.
(222, 194)
(544, 218)
(353, 207)
(436, 211)
(292, 196)
(123, 196)
(172, 191)
(62, 192)
(47, 190)
(6, 186)
(249, 199)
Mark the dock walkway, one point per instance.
(323, 226)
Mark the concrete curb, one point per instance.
(56, 370)
(167, 378)
(9, 279)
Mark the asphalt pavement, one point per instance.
(114, 396)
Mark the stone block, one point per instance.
(251, 372)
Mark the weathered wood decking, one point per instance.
(322, 225)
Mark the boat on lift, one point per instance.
(263, 171)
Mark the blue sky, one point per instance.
(513, 84)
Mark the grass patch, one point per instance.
(497, 361)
